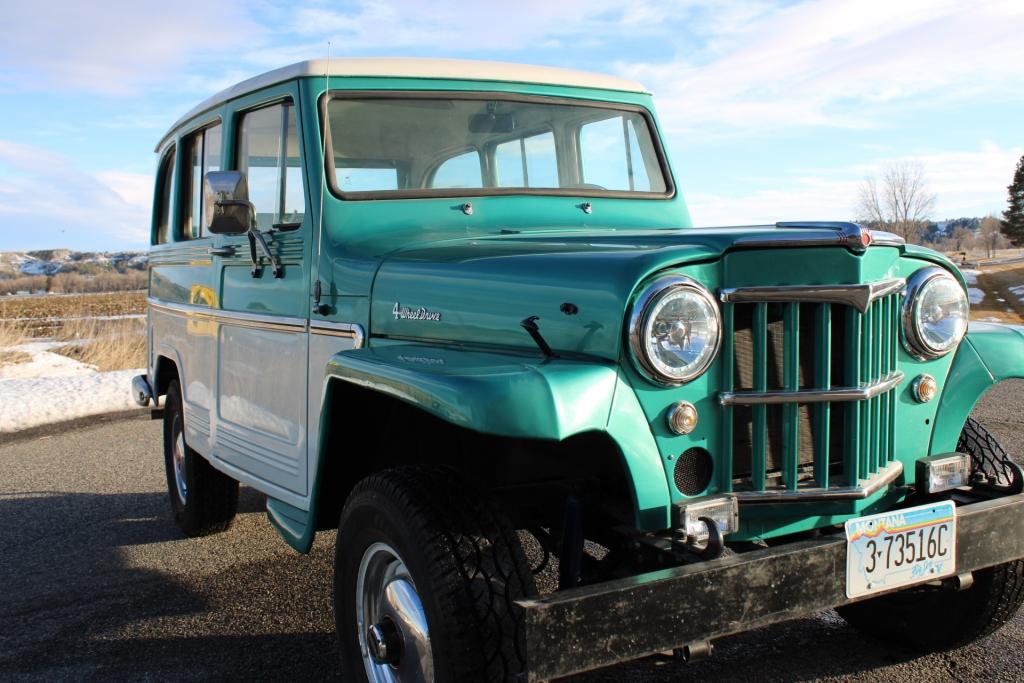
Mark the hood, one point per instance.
(478, 290)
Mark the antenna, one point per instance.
(318, 287)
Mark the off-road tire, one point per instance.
(932, 620)
(212, 499)
(465, 560)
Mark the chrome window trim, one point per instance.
(638, 316)
(839, 394)
(867, 487)
(912, 341)
(860, 296)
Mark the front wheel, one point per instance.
(426, 578)
(932, 619)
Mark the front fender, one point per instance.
(516, 395)
(991, 353)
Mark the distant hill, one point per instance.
(15, 264)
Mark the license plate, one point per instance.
(900, 548)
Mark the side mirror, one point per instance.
(226, 201)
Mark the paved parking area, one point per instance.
(97, 583)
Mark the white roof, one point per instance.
(403, 67)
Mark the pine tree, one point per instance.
(1013, 217)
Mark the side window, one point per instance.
(462, 170)
(203, 154)
(614, 157)
(527, 162)
(165, 191)
(268, 154)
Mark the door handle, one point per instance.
(221, 251)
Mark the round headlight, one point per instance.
(934, 313)
(675, 330)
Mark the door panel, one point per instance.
(262, 339)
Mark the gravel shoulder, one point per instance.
(97, 583)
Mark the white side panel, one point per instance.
(261, 417)
(189, 342)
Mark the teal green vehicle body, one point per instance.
(523, 255)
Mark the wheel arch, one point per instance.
(511, 416)
(991, 353)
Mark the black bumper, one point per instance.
(585, 628)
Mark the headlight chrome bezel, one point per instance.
(642, 306)
(913, 341)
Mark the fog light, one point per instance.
(724, 511)
(924, 387)
(943, 472)
(682, 417)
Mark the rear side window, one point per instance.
(164, 193)
(203, 154)
(462, 170)
(527, 162)
(268, 154)
(613, 156)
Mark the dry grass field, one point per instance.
(60, 306)
(105, 331)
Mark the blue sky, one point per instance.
(773, 110)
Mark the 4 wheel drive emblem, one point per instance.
(405, 313)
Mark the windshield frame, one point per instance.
(448, 193)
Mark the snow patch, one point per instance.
(975, 295)
(44, 363)
(971, 276)
(26, 403)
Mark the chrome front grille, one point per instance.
(808, 389)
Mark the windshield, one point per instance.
(445, 146)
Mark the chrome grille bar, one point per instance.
(836, 395)
(859, 296)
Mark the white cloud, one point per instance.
(834, 63)
(111, 47)
(965, 182)
(48, 201)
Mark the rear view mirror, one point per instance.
(492, 123)
(226, 199)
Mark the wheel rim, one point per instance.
(178, 455)
(394, 639)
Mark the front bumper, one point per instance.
(586, 628)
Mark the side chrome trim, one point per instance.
(839, 394)
(251, 320)
(348, 330)
(867, 487)
(859, 296)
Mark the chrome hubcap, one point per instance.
(393, 636)
(179, 464)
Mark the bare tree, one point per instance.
(961, 239)
(899, 202)
(990, 234)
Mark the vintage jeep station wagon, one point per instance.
(457, 311)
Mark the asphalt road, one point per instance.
(97, 583)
